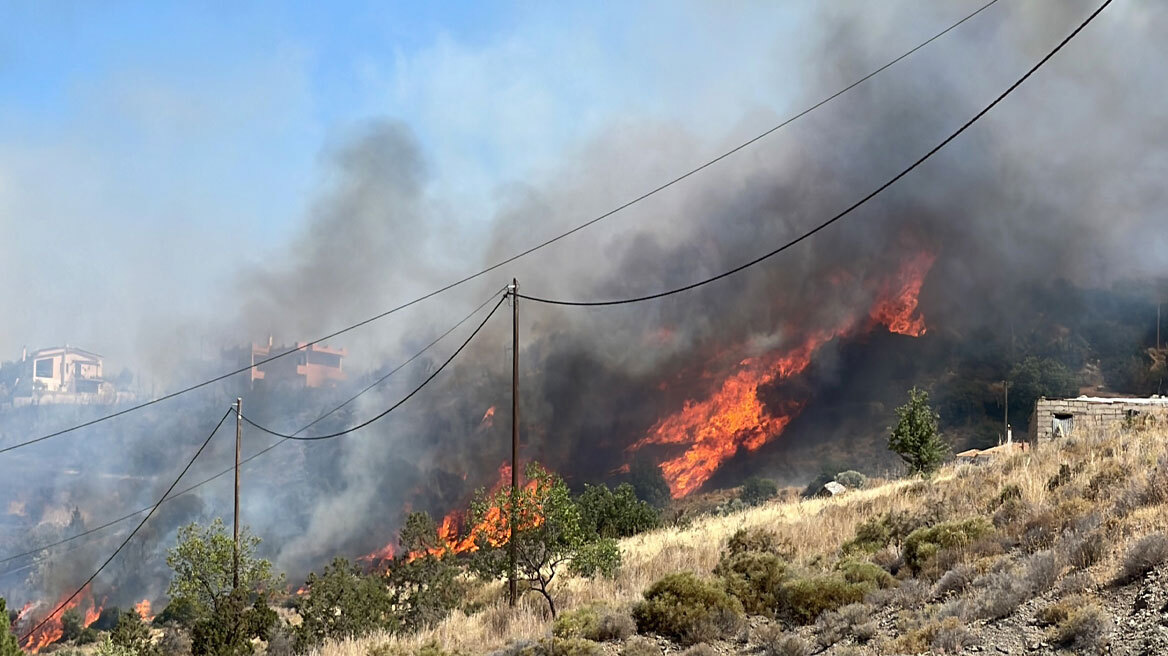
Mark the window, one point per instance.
(326, 359)
(44, 368)
(1063, 424)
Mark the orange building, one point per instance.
(312, 366)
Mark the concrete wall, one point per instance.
(1092, 416)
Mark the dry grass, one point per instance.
(817, 528)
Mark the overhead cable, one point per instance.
(129, 537)
(845, 212)
(524, 253)
(191, 488)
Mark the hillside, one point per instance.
(1056, 550)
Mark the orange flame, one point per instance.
(52, 629)
(899, 297)
(734, 417)
(488, 419)
(143, 610)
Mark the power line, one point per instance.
(521, 254)
(393, 407)
(134, 532)
(365, 390)
(848, 210)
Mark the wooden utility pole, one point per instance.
(235, 531)
(1006, 387)
(512, 581)
(1158, 326)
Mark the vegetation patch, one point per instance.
(688, 609)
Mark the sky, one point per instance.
(148, 153)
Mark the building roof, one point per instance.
(65, 349)
(1135, 400)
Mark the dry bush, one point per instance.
(1087, 629)
(1102, 483)
(640, 646)
(833, 626)
(955, 580)
(1143, 556)
(614, 626)
(775, 642)
(1085, 551)
(1061, 610)
(1076, 583)
(1041, 572)
(948, 635)
(998, 594)
(700, 649)
(864, 633)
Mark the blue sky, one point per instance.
(150, 152)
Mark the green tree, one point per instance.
(9, 646)
(757, 489)
(915, 438)
(224, 620)
(132, 634)
(606, 513)
(71, 627)
(342, 603)
(649, 483)
(427, 584)
(1035, 377)
(548, 534)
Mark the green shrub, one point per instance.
(875, 533)
(761, 540)
(924, 543)
(342, 603)
(133, 634)
(852, 480)
(755, 578)
(804, 599)
(756, 490)
(858, 571)
(579, 623)
(9, 646)
(687, 608)
(615, 513)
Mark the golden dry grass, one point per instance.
(817, 528)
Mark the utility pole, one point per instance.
(512, 581)
(1158, 326)
(1006, 387)
(238, 441)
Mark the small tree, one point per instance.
(426, 586)
(548, 535)
(224, 620)
(606, 513)
(342, 603)
(757, 489)
(649, 483)
(915, 438)
(132, 634)
(9, 646)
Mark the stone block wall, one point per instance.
(1093, 416)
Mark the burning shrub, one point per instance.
(915, 438)
(548, 534)
(924, 543)
(342, 603)
(756, 490)
(606, 513)
(806, 598)
(755, 578)
(687, 608)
